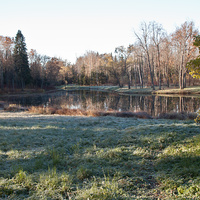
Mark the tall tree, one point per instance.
(35, 67)
(158, 36)
(124, 62)
(183, 42)
(194, 65)
(114, 69)
(144, 40)
(21, 60)
(6, 50)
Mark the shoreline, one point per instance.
(189, 91)
(192, 91)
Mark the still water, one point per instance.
(153, 105)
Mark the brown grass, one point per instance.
(93, 113)
(79, 112)
(58, 110)
(13, 108)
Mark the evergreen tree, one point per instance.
(21, 60)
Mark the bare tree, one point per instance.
(183, 42)
(144, 40)
(158, 36)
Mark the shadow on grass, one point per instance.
(86, 148)
(178, 167)
(179, 176)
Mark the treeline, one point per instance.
(155, 59)
(20, 69)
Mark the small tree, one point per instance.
(194, 65)
(21, 60)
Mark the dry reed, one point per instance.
(93, 113)
(79, 112)
(13, 108)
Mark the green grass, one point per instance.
(62, 157)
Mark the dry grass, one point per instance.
(59, 111)
(13, 108)
(94, 113)
(79, 112)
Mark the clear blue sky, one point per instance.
(69, 28)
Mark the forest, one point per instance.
(156, 58)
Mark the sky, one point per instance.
(68, 29)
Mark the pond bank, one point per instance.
(98, 113)
(195, 90)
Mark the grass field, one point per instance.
(65, 157)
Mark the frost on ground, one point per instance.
(62, 157)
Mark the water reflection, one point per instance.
(105, 101)
(150, 104)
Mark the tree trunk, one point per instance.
(159, 79)
(184, 80)
(135, 74)
(151, 71)
(159, 67)
(2, 80)
(13, 84)
(180, 77)
(129, 80)
(140, 75)
(22, 84)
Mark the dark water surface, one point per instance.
(107, 101)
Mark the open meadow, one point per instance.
(68, 157)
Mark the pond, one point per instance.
(96, 100)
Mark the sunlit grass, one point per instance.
(62, 157)
(195, 90)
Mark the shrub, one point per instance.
(197, 119)
(179, 116)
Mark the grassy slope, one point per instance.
(60, 157)
(172, 91)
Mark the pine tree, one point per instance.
(21, 60)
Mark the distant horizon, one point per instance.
(68, 29)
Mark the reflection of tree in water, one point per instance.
(154, 105)
(150, 104)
